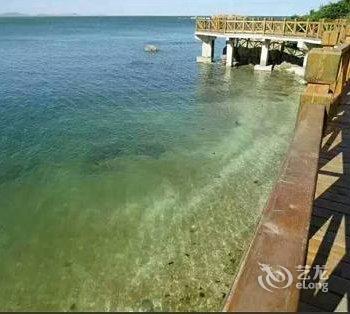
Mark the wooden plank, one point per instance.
(320, 212)
(338, 285)
(305, 307)
(343, 270)
(285, 222)
(330, 223)
(335, 198)
(336, 248)
(326, 301)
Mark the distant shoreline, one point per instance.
(77, 15)
(19, 15)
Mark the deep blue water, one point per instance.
(129, 180)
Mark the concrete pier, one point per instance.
(230, 58)
(208, 46)
(264, 57)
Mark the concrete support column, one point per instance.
(208, 45)
(283, 44)
(264, 57)
(230, 59)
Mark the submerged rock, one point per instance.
(283, 66)
(193, 228)
(12, 172)
(106, 152)
(151, 150)
(151, 48)
(73, 307)
(147, 305)
(290, 68)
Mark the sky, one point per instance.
(160, 7)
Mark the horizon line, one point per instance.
(5, 14)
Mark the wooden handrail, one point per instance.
(294, 28)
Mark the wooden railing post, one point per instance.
(307, 27)
(284, 26)
(264, 26)
(295, 27)
(343, 28)
(320, 28)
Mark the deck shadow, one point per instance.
(329, 235)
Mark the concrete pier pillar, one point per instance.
(208, 46)
(230, 58)
(283, 44)
(264, 57)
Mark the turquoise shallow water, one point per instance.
(129, 181)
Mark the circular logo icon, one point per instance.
(277, 277)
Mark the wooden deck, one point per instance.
(329, 236)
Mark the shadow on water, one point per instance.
(102, 153)
(249, 53)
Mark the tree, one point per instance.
(336, 10)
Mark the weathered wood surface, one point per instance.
(327, 73)
(329, 243)
(285, 222)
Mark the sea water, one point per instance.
(129, 180)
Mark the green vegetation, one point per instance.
(338, 10)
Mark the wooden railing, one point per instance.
(337, 29)
(281, 238)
